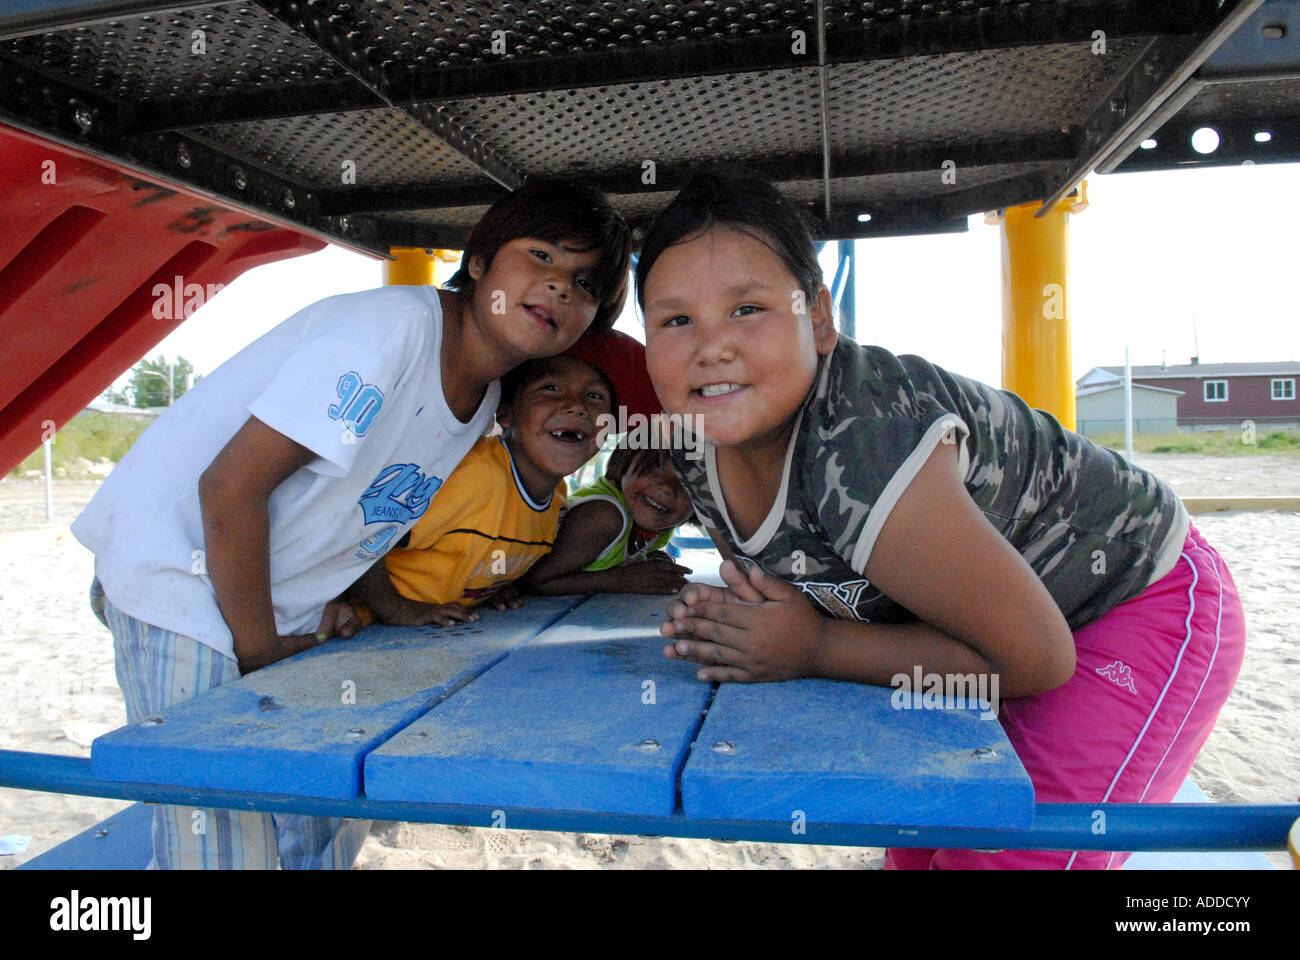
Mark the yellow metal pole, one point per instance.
(1035, 305)
(416, 266)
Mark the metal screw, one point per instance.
(724, 746)
(100, 834)
(355, 733)
(1119, 105)
(344, 224)
(984, 753)
(83, 118)
(648, 746)
(183, 155)
(1274, 31)
(241, 180)
(287, 199)
(151, 721)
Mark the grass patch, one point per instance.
(88, 435)
(1227, 443)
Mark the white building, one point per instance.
(1099, 405)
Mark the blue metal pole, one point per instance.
(849, 298)
(1057, 826)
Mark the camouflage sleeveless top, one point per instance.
(1095, 529)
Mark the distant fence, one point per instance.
(1167, 425)
(1091, 428)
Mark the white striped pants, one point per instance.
(156, 668)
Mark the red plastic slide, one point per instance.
(82, 245)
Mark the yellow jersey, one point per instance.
(481, 531)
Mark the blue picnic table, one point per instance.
(565, 715)
(570, 704)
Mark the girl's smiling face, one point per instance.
(726, 340)
(654, 497)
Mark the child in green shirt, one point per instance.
(611, 539)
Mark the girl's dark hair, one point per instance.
(625, 460)
(731, 197)
(557, 211)
(530, 371)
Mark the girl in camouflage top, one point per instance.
(882, 514)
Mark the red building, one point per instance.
(1219, 394)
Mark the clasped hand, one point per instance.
(757, 628)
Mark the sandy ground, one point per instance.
(58, 692)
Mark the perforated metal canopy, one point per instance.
(386, 123)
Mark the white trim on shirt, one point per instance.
(900, 481)
(519, 483)
(775, 516)
(1167, 556)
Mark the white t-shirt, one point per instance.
(355, 379)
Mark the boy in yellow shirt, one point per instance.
(499, 511)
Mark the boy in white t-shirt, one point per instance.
(224, 535)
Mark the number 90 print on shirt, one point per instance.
(359, 403)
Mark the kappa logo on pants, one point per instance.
(1121, 674)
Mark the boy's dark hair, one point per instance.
(625, 460)
(530, 371)
(557, 211)
(731, 197)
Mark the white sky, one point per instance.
(1149, 250)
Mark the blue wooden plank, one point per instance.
(829, 752)
(122, 842)
(303, 725)
(589, 716)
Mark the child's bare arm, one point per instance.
(587, 530)
(661, 576)
(233, 494)
(982, 608)
(375, 589)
